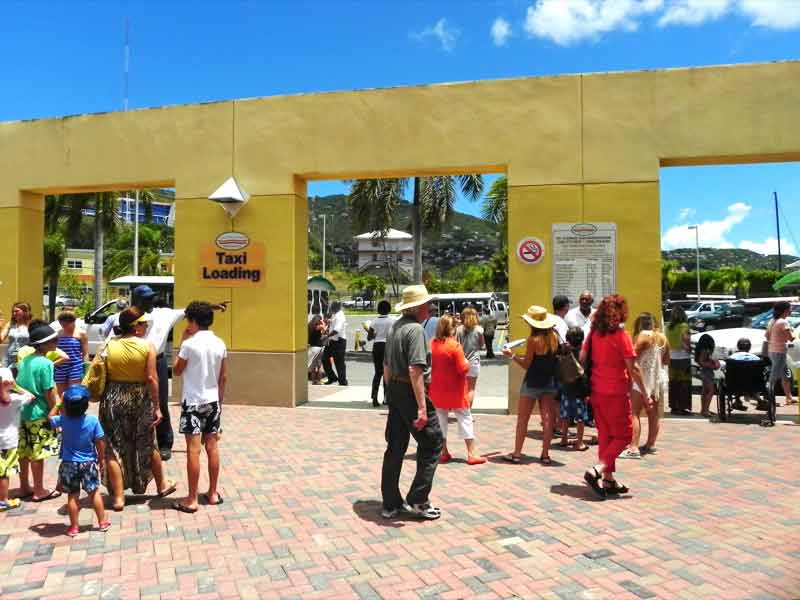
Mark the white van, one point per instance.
(455, 303)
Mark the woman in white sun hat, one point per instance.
(539, 383)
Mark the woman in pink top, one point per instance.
(779, 333)
(609, 350)
(448, 388)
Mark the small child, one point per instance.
(36, 441)
(573, 404)
(82, 442)
(55, 356)
(12, 399)
(707, 364)
(74, 343)
(202, 361)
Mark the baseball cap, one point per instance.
(76, 393)
(143, 291)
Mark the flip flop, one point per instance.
(184, 509)
(52, 495)
(512, 459)
(545, 460)
(171, 489)
(220, 499)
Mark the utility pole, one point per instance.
(324, 244)
(136, 235)
(778, 228)
(697, 253)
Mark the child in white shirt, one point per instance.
(12, 399)
(202, 364)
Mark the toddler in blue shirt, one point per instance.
(82, 442)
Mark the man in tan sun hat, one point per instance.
(410, 411)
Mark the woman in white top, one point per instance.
(652, 356)
(377, 332)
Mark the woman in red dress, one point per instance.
(448, 388)
(609, 350)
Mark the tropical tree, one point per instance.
(154, 241)
(372, 203)
(731, 279)
(495, 204)
(54, 253)
(372, 285)
(669, 275)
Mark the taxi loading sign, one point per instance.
(232, 261)
(530, 251)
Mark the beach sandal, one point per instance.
(220, 499)
(613, 488)
(512, 458)
(51, 496)
(9, 504)
(582, 448)
(104, 526)
(171, 489)
(545, 460)
(592, 479)
(184, 509)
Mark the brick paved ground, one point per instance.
(715, 514)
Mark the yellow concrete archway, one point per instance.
(575, 148)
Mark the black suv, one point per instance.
(722, 318)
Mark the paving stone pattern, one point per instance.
(715, 514)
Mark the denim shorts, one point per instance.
(779, 367)
(536, 392)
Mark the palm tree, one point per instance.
(731, 279)
(669, 275)
(495, 204)
(372, 203)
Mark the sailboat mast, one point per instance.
(778, 228)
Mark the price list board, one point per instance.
(584, 258)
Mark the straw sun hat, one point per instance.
(413, 296)
(538, 317)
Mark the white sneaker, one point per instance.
(392, 513)
(631, 453)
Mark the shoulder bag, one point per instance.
(569, 368)
(97, 375)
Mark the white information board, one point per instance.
(584, 258)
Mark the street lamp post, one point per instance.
(697, 252)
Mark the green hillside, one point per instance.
(714, 258)
(463, 238)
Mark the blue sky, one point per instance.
(60, 58)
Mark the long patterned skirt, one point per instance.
(126, 415)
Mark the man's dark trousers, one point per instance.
(489, 340)
(164, 435)
(335, 349)
(399, 429)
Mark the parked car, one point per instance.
(62, 301)
(707, 306)
(720, 317)
(357, 303)
(94, 325)
(726, 339)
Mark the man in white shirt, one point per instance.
(337, 344)
(202, 362)
(581, 315)
(162, 320)
(560, 309)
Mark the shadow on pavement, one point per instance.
(370, 510)
(51, 530)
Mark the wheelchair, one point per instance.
(745, 378)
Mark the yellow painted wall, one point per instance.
(578, 147)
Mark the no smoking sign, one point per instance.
(530, 251)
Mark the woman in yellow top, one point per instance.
(127, 413)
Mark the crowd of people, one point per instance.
(580, 365)
(44, 403)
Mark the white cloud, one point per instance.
(569, 21)
(713, 234)
(501, 31)
(693, 12)
(768, 246)
(446, 35)
(685, 213)
(774, 14)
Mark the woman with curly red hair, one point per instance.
(609, 351)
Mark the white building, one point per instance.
(394, 250)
